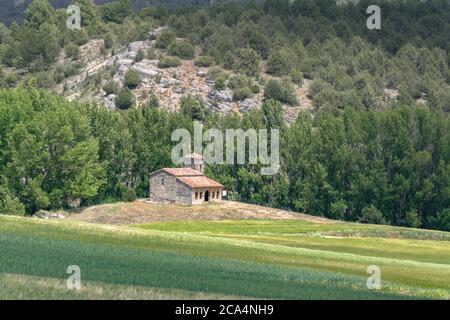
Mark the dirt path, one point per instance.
(143, 211)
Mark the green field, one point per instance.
(281, 259)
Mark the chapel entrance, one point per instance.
(206, 196)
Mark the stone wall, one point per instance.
(184, 193)
(160, 192)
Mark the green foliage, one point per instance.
(124, 99)
(220, 83)
(204, 61)
(132, 79)
(192, 107)
(241, 94)
(279, 63)
(372, 215)
(116, 11)
(169, 62)
(140, 55)
(129, 195)
(182, 49)
(72, 51)
(111, 87)
(247, 62)
(280, 91)
(165, 39)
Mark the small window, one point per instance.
(196, 195)
(212, 194)
(162, 181)
(201, 195)
(217, 195)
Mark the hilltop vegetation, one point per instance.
(349, 65)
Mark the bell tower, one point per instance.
(194, 161)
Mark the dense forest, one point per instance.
(359, 157)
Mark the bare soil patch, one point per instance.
(142, 211)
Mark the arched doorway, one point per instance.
(206, 195)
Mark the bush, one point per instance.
(372, 215)
(124, 99)
(153, 102)
(140, 55)
(111, 87)
(204, 61)
(279, 63)
(73, 51)
(215, 72)
(169, 62)
(241, 94)
(247, 62)
(11, 80)
(182, 49)
(129, 195)
(220, 83)
(297, 76)
(165, 39)
(282, 92)
(9, 204)
(192, 107)
(132, 79)
(412, 219)
(151, 54)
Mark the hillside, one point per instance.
(288, 258)
(12, 10)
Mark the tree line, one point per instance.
(390, 166)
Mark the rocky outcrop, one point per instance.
(42, 214)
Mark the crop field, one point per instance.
(280, 259)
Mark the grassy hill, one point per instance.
(292, 258)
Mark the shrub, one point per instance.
(412, 219)
(73, 51)
(109, 41)
(140, 55)
(153, 102)
(215, 72)
(132, 79)
(254, 89)
(279, 63)
(192, 107)
(129, 195)
(11, 80)
(282, 92)
(247, 62)
(165, 39)
(151, 54)
(297, 76)
(220, 83)
(241, 94)
(372, 215)
(124, 99)
(111, 87)
(9, 204)
(182, 49)
(169, 62)
(204, 61)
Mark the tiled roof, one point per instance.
(178, 172)
(200, 182)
